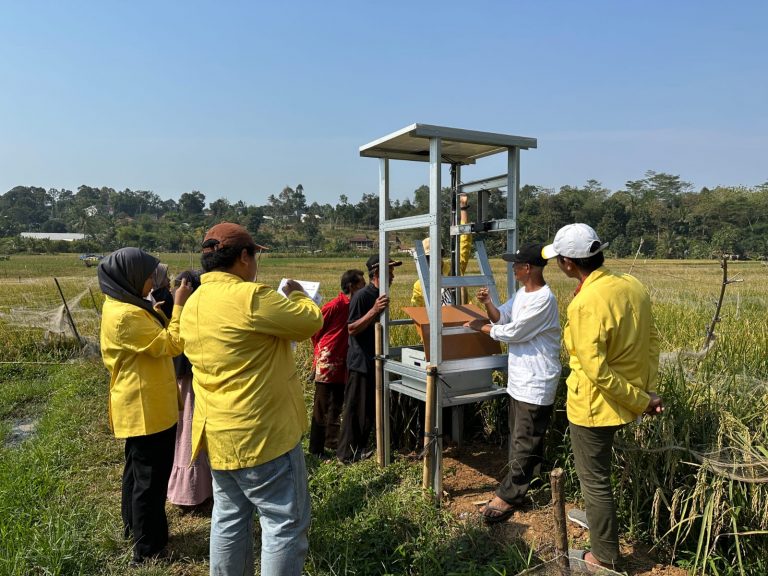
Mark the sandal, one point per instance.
(578, 517)
(498, 514)
(579, 565)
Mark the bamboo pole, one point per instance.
(639, 246)
(95, 306)
(558, 510)
(716, 317)
(380, 439)
(429, 428)
(69, 315)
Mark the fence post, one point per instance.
(69, 316)
(558, 511)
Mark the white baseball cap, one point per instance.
(574, 241)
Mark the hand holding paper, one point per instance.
(311, 289)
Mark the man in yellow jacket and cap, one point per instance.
(613, 346)
(249, 405)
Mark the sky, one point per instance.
(240, 99)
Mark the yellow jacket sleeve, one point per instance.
(465, 249)
(294, 318)
(140, 332)
(589, 346)
(417, 296)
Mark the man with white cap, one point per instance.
(613, 346)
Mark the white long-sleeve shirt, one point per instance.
(529, 323)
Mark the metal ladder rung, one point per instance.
(463, 281)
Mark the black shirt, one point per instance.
(362, 348)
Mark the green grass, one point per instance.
(675, 476)
(59, 501)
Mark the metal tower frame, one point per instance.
(438, 145)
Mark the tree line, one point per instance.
(660, 213)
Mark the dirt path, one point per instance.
(469, 480)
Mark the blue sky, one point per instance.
(239, 99)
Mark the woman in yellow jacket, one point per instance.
(249, 405)
(137, 348)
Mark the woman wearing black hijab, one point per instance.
(137, 348)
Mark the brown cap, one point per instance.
(226, 235)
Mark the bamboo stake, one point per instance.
(429, 427)
(380, 440)
(69, 315)
(639, 246)
(716, 317)
(95, 307)
(558, 511)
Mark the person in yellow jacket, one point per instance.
(465, 248)
(249, 406)
(137, 348)
(613, 346)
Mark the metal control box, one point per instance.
(461, 380)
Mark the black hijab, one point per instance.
(122, 275)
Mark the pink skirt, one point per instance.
(190, 484)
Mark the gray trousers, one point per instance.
(592, 449)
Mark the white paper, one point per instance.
(311, 288)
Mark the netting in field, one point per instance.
(56, 322)
(34, 320)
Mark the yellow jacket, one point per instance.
(138, 352)
(465, 248)
(249, 403)
(614, 350)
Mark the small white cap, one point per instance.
(574, 241)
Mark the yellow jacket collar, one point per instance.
(217, 276)
(595, 275)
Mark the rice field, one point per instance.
(692, 482)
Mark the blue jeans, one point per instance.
(278, 491)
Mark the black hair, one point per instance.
(191, 276)
(590, 263)
(350, 278)
(223, 258)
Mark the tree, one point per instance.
(54, 225)
(26, 208)
(254, 219)
(220, 208)
(367, 210)
(421, 198)
(309, 228)
(192, 203)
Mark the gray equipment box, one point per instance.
(461, 380)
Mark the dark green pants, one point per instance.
(592, 449)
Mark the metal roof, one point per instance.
(66, 236)
(458, 146)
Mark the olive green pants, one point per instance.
(592, 449)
